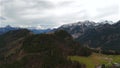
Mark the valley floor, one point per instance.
(96, 60)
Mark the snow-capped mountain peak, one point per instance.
(80, 23)
(105, 22)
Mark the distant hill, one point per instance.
(39, 31)
(34, 30)
(6, 29)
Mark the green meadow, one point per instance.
(96, 59)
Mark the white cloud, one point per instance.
(39, 27)
(52, 13)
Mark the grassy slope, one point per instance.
(96, 59)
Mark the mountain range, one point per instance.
(32, 29)
(104, 36)
(77, 29)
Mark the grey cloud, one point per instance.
(45, 4)
(47, 13)
(13, 12)
(4, 1)
(2, 18)
(107, 11)
(66, 3)
(41, 4)
(74, 17)
(44, 22)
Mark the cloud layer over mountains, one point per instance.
(53, 13)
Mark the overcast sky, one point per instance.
(53, 13)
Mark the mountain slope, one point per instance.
(40, 50)
(11, 41)
(107, 37)
(78, 29)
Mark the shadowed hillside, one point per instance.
(40, 51)
(106, 37)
